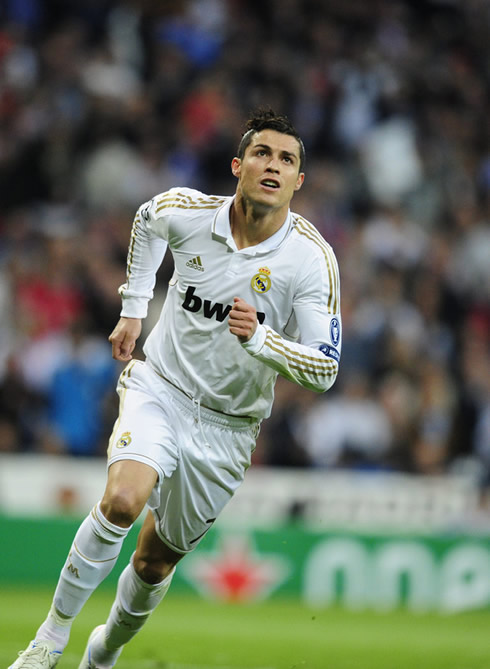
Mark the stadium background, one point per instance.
(105, 103)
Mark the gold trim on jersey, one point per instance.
(170, 200)
(172, 205)
(328, 367)
(171, 197)
(187, 197)
(183, 201)
(309, 231)
(132, 242)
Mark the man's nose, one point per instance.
(273, 165)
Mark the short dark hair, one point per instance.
(267, 119)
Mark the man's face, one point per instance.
(269, 172)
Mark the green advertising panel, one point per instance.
(356, 570)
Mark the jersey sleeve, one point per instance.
(313, 362)
(147, 247)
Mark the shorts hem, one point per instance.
(169, 544)
(136, 457)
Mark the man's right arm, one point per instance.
(145, 254)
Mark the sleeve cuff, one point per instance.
(255, 343)
(134, 307)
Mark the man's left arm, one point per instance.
(313, 363)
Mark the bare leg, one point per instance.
(129, 484)
(153, 560)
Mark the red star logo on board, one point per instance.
(235, 571)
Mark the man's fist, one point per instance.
(123, 338)
(242, 320)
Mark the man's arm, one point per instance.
(313, 367)
(145, 255)
(313, 363)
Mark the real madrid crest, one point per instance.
(125, 440)
(261, 282)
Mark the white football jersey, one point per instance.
(291, 278)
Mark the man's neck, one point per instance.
(250, 226)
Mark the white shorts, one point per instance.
(200, 455)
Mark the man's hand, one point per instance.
(242, 320)
(123, 338)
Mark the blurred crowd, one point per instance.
(104, 103)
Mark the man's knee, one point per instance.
(122, 506)
(129, 485)
(153, 560)
(152, 571)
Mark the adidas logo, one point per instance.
(195, 263)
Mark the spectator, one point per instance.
(352, 430)
(101, 102)
(78, 396)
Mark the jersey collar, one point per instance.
(221, 231)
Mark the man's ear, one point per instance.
(236, 165)
(299, 181)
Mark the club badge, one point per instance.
(261, 282)
(125, 440)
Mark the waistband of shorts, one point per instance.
(207, 415)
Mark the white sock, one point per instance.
(92, 556)
(134, 603)
(55, 628)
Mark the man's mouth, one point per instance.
(270, 183)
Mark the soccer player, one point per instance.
(255, 293)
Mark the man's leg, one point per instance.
(141, 587)
(97, 544)
(93, 553)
